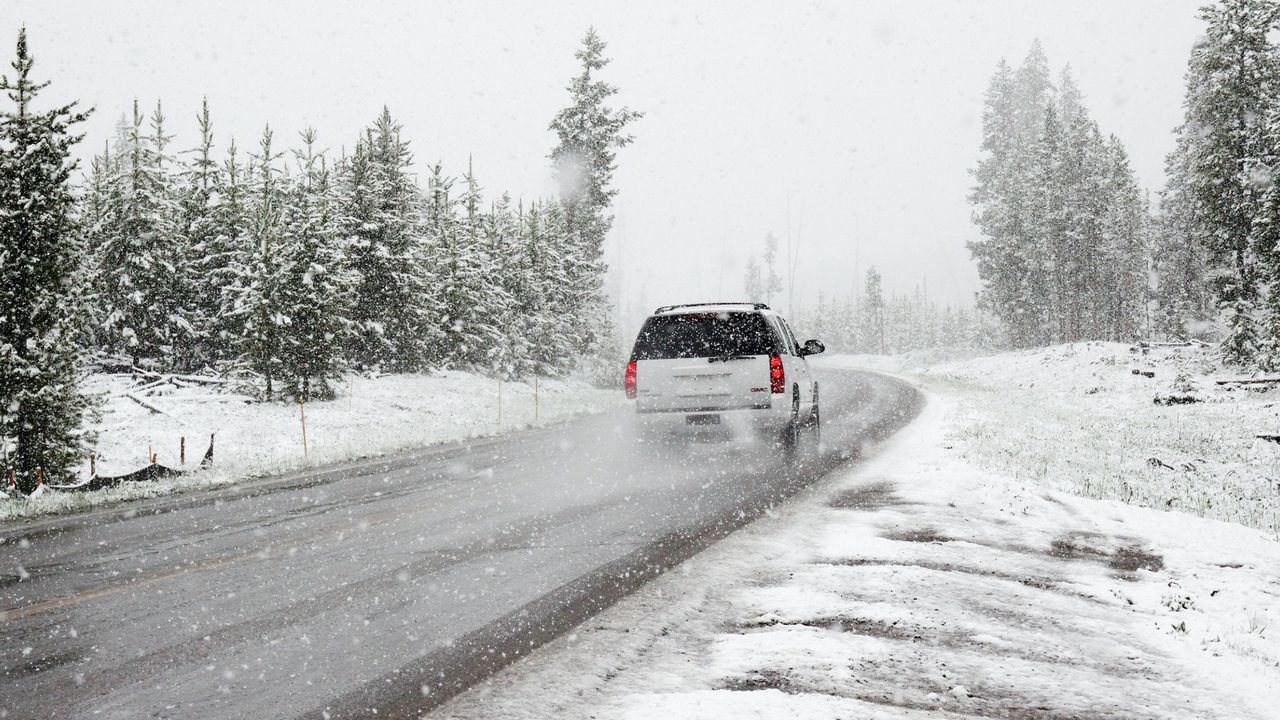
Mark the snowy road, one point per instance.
(386, 585)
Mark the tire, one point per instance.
(792, 430)
(815, 420)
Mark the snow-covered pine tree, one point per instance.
(589, 132)
(1009, 260)
(312, 281)
(42, 410)
(507, 355)
(98, 208)
(1123, 261)
(258, 312)
(457, 275)
(470, 291)
(1233, 80)
(543, 299)
(1045, 248)
(227, 274)
(209, 249)
(391, 287)
(175, 291)
(1183, 303)
(139, 288)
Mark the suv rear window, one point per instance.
(695, 335)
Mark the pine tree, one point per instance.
(507, 354)
(473, 294)
(259, 309)
(207, 246)
(228, 272)
(589, 132)
(1123, 261)
(141, 257)
(392, 292)
(43, 411)
(1009, 258)
(1233, 78)
(99, 207)
(543, 300)
(311, 281)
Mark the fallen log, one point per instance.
(147, 405)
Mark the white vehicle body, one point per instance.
(732, 367)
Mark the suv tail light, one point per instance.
(630, 381)
(777, 378)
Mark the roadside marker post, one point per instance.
(182, 450)
(302, 414)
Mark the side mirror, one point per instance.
(812, 347)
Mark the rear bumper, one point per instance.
(715, 422)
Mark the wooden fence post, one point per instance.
(182, 450)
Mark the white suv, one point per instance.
(732, 367)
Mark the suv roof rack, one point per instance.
(668, 308)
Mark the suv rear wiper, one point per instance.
(727, 358)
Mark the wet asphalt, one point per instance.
(381, 587)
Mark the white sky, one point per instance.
(861, 117)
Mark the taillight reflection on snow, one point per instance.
(631, 380)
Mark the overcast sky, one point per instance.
(850, 126)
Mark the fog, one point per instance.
(847, 128)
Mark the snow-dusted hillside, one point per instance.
(1084, 418)
(372, 416)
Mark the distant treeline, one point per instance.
(879, 324)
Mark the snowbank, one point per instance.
(372, 416)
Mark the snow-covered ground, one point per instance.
(1080, 419)
(371, 416)
(927, 582)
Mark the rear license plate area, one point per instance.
(702, 419)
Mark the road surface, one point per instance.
(380, 587)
